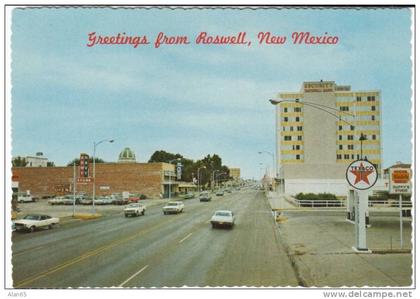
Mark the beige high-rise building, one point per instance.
(235, 173)
(318, 134)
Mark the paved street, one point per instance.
(158, 250)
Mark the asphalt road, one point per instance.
(159, 250)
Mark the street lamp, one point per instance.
(170, 189)
(198, 176)
(272, 155)
(95, 144)
(219, 174)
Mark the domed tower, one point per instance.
(127, 156)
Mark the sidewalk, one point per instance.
(279, 202)
(319, 245)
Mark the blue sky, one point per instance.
(192, 99)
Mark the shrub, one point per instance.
(142, 196)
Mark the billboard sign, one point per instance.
(400, 180)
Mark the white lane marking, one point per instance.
(134, 275)
(186, 237)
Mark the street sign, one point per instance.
(361, 174)
(400, 180)
(83, 180)
(178, 171)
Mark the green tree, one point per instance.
(163, 156)
(19, 162)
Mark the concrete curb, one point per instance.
(87, 216)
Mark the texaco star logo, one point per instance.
(361, 174)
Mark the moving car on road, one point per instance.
(223, 218)
(188, 195)
(134, 209)
(173, 207)
(205, 196)
(220, 193)
(35, 221)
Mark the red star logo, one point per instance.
(361, 174)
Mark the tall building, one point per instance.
(319, 133)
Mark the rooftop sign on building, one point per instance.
(319, 86)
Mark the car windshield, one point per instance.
(133, 205)
(172, 204)
(222, 213)
(31, 217)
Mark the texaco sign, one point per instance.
(361, 174)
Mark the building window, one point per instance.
(346, 157)
(340, 137)
(339, 157)
(371, 98)
(349, 137)
(373, 117)
(373, 108)
(344, 108)
(340, 128)
(359, 99)
(297, 147)
(286, 119)
(352, 156)
(340, 147)
(287, 138)
(373, 137)
(350, 146)
(299, 138)
(297, 109)
(291, 129)
(285, 109)
(297, 157)
(299, 128)
(297, 119)
(351, 128)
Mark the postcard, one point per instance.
(210, 147)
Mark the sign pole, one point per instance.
(401, 224)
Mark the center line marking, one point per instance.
(186, 237)
(134, 275)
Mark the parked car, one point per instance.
(222, 218)
(59, 200)
(68, 200)
(173, 207)
(120, 201)
(134, 209)
(35, 221)
(228, 190)
(133, 198)
(220, 193)
(188, 195)
(25, 198)
(205, 196)
(86, 201)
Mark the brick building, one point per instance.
(151, 179)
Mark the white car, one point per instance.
(222, 218)
(173, 207)
(134, 209)
(25, 198)
(35, 221)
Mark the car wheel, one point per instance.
(137, 214)
(50, 226)
(142, 212)
(213, 225)
(164, 213)
(32, 229)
